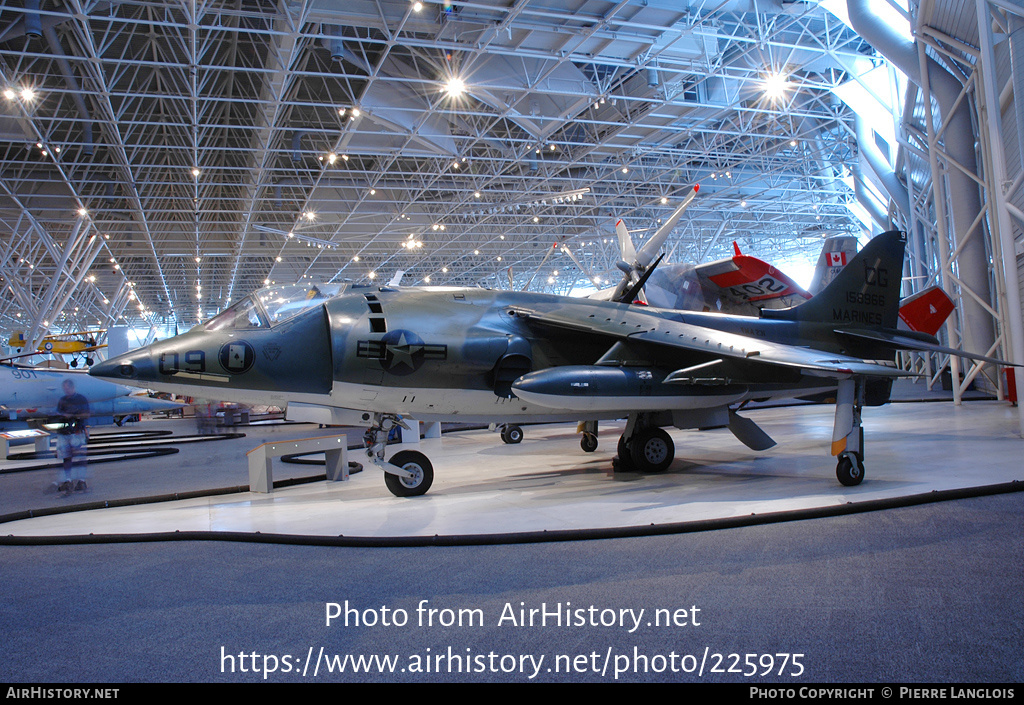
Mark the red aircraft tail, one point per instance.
(926, 311)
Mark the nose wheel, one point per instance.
(421, 474)
(409, 473)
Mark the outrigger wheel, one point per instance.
(416, 463)
(850, 469)
(588, 443)
(512, 434)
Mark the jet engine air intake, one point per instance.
(516, 362)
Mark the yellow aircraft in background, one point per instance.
(74, 344)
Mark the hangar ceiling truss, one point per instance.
(215, 146)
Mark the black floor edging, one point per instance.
(488, 539)
(98, 455)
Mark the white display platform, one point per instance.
(547, 483)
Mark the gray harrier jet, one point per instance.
(371, 355)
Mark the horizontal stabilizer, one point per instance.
(749, 433)
(901, 341)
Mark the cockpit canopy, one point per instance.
(266, 307)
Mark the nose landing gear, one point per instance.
(409, 473)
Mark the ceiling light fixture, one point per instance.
(775, 85)
(454, 87)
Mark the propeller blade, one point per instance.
(547, 254)
(631, 293)
(566, 250)
(650, 248)
(626, 249)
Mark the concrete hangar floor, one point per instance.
(732, 566)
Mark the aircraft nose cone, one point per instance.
(130, 366)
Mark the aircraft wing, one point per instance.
(8, 358)
(742, 280)
(647, 326)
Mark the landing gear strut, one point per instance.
(589, 440)
(644, 448)
(409, 473)
(848, 434)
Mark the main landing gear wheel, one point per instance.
(850, 469)
(588, 443)
(416, 463)
(512, 434)
(651, 450)
(623, 463)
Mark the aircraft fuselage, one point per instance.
(442, 353)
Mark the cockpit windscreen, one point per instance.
(273, 304)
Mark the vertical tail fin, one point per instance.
(865, 293)
(836, 252)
